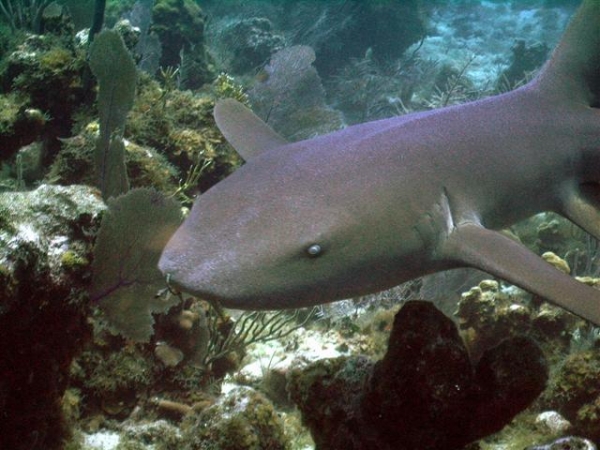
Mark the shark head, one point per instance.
(246, 249)
(287, 229)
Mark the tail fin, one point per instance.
(573, 71)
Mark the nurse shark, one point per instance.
(374, 205)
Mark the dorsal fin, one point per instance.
(573, 71)
(244, 130)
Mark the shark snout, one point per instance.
(209, 275)
(188, 274)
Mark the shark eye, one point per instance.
(314, 250)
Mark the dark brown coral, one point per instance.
(425, 393)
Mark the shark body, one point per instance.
(377, 204)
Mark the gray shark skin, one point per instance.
(374, 205)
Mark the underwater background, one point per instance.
(96, 352)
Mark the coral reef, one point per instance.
(180, 125)
(553, 422)
(342, 30)
(45, 73)
(424, 393)
(574, 391)
(183, 334)
(240, 420)
(45, 243)
(161, 435)
(48, 97)
(368, 88)
(249, 43)
(179, 25)
(176, 374)
(488, 314)
(110, 383)
(116, 379)
(291, 98)
(41, 16)
(146, 167)
(19, 125)
(549, 232)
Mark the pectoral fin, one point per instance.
(492, 252)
